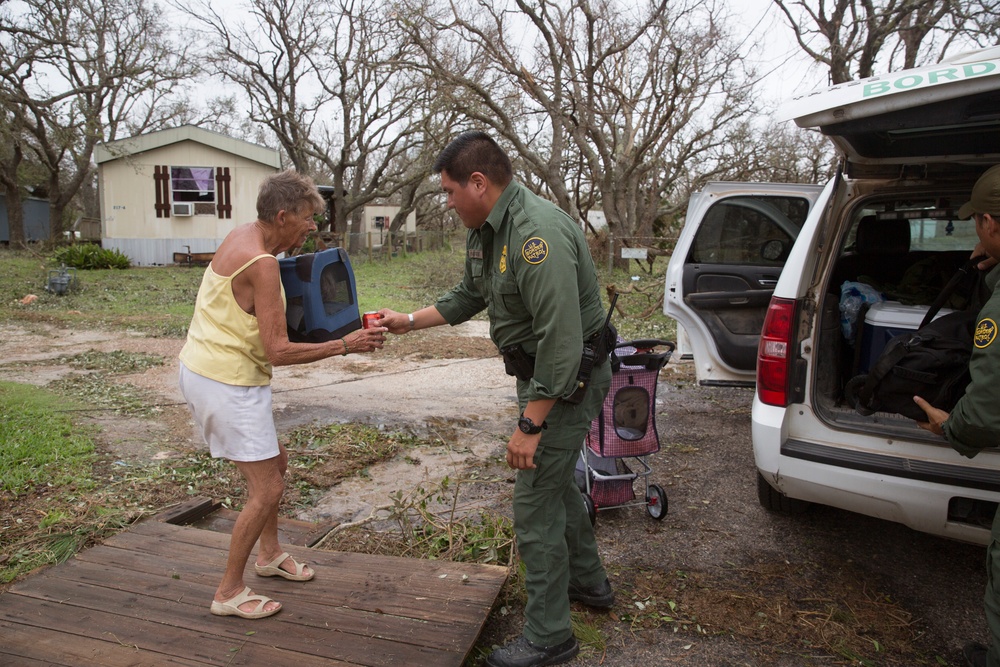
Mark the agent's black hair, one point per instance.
(474, 151)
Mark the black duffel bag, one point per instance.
(931, 362)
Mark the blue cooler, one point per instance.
(884, 321)
(321, 294)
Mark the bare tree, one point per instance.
(985, 21)
(12, 146)
(268, 50)
(74, 73)
(856, 38)
(331, 81)
(772, 152)
(607, 98)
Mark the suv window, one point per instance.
(906, 250)
(931, 228)
(736, 230)
(940, 235)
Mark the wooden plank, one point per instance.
(112, 640)
(380, 641)
(24, 645)
(150, 594)
(372, 592)
(421, 577)
(290, 531)
(148, 590)
(424, 589)
(186, 512)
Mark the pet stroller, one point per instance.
(625, 433)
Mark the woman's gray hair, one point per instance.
(289, 191)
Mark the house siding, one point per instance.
(36, 219)
(128, 198)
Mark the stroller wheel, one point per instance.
(656, 502)
(588, 502)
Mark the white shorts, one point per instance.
(236, 422)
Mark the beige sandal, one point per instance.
(273, 569)
(231, 607)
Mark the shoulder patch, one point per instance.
(535, 250)
(986, 333)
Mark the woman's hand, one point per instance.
(364, 340)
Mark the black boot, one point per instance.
(598, 597)
(523, 653)
(975, 654)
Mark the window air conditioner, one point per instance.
(183, 208)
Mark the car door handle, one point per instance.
(767, 282)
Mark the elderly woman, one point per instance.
(237, 334)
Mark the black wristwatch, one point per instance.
(530, 427)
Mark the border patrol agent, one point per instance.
(974, 423)
(528, 266)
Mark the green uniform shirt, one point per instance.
(530, 268)
(974, 423)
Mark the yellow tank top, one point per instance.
(223, 341)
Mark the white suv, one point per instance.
(760, 272)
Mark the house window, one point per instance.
(187, 191)
(192, 184)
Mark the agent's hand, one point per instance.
(365, 340)
(397, 323)
(521, 450)
(935, 417)
(987, 261)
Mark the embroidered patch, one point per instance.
(986, 333)
(535, 250)
(475, 254)
(503, 260)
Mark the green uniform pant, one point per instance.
(992, 598)
(554, 536)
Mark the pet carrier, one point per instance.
(321, 294)
(624, 434)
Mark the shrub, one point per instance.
(91, 256)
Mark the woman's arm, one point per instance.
(262, 280)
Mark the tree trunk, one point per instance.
(15, 216)
(15, 203)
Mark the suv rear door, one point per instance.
(723, 270)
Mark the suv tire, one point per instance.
(774, 501)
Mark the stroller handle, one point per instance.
(644, 356)
(648, 344)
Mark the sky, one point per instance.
(785, 69)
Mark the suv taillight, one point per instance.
(774, 360)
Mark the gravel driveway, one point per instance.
(821, 588)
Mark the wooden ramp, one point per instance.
(142, 598)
